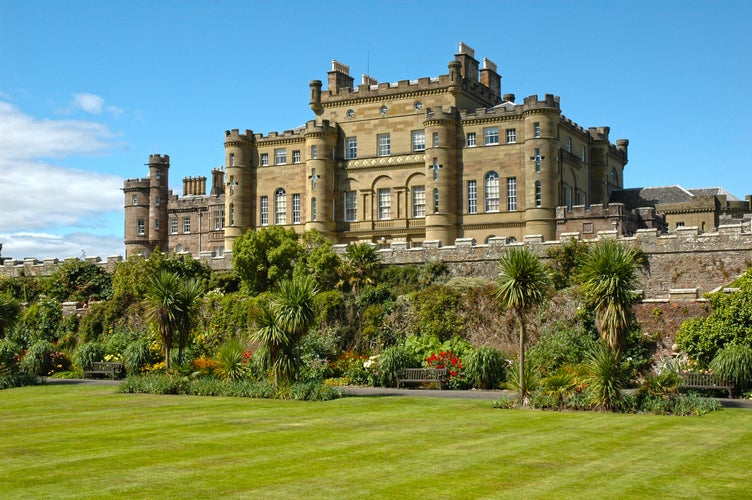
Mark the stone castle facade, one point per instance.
(412, 162)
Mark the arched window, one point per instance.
(280, 207)
(492, 191)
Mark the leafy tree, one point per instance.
(730, 321)
(438, 310)
(318, 260)
(360, 267)
(265, 257)
(10, 309)
(79, 280)
(734, 363)
(42, 319)
(524, 283)
(172, 304)
(608, 277)
(283, 322)
(563, 262)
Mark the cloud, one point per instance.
(91, 103)
(49, 246)
(38, 197)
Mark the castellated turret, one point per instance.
(145, 208)
(241, 158)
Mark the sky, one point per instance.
(88, 89)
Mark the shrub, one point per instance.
(561, 344)
(734, 363)
(391, 362)
(484, 367)
(232, 362)
(605, 377)
(88, 353)
(154, 383)
(137, 356)
(38, 359)
(10, 353)
(312, 391)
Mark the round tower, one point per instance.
(240, 191)
(541, 182)
(156, 230)
(136, 215)
(441, 176)
(321, 146)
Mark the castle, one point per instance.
(427, 160)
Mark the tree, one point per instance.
(524, 283)
(265, 257)
(318, 260)
(79, 280)
(173, 306)
(608, 277)
(283, 322)
(10, 309)
(360, 266)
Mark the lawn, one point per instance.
(83, 441)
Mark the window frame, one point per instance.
(492, 192)
(419, 202)
(490, 136)
(350, 203)
(418, 140)
(264, 211)
(511, 136)
(296, 208)
(472, 196)
(351, 148)
(511, 194)
(384, 203)
(280, 207)
(471, 140)
(383, 144)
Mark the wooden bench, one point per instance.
(105, 368)
(423, 376)
(694, 380)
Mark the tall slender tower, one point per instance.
(321, 145)
(240, 192)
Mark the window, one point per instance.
(569, 144)
(134, 199)
(157, 200)
(186, 224)
(568, 196)
(383, 109)
(492, 192)
(158, 174)
(179, 249)
(436, 168)
(351, 148)
(232, 214)
(511, 135)
(174, 225)
(314, 152)
(280, 207)
(472, 197)
(385, 204)
(156, 224)
(490, 136)
(351, 206)
(435, 200)
(232, 159)
(582, 154)
(264, 210)
(612, 177)
(384, 144)
(296, 208)
(296, 156)
(419, 140)
(232, 185)
(264, 159)
(471, 139)
(419, 202)
(219, 219)
(313, 209)
(679, 224)
(537, 160)
(536, 129)
(140, 227)
(280, 156)
(538, 193)
(511, 194)
(218, 251)
(350, 113)
(436, 139)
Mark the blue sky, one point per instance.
(88, 89)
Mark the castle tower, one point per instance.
(157, 229)
(599, 164)
(441, 176)
(240, 193)
(541, 166)
(321, 146)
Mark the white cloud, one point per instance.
(49, 246)
(39, 196)
(91, 103)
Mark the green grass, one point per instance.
(76, 441)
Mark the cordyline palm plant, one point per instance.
(608, 277)
(523, 284)
(359, 266)
(173, 305)
(282, 324)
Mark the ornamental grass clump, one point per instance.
(484, 368)
(734, 363)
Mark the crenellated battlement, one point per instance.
(136, 184)
(156, 159)
(13, 268)
(234, 137)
